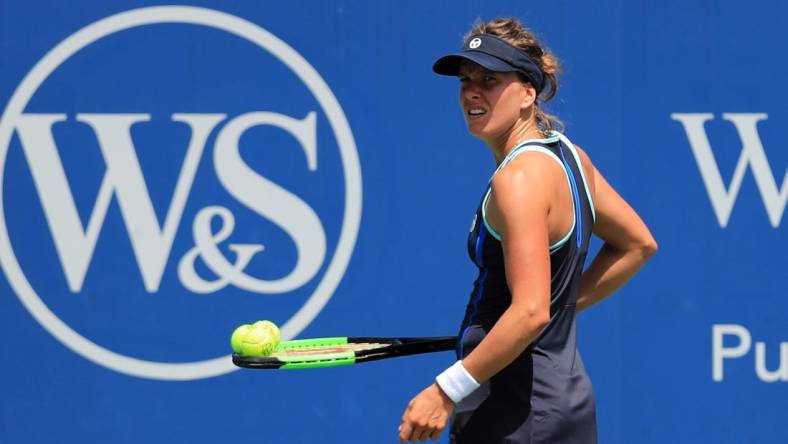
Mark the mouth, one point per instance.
(475, 112)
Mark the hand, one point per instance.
(426, 416)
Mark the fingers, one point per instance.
(416, 431)
(425, 417)
(412, 432)
(405, 430)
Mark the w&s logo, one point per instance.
(241, 219)
(723, 198)
(151, 243)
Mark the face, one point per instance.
(492, 102)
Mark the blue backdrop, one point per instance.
(169, 173)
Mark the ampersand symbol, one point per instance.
(206, 247)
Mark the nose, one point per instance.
(470, 91)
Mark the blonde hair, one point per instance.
(510, 30)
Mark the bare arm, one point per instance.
(628, 244)
(519, 208)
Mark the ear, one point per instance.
(528, 96)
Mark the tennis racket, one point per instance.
(332, 352)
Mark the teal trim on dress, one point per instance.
(561, 243)
(484, 216)
(522, 148)
(518, 148)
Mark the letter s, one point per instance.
(270, 200)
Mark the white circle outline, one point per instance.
(475, 43)
(268, 42)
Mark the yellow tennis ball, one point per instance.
(271, 327)
(260, 339)
(239, 334)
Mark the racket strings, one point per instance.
(329, 349)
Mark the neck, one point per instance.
(522, 130)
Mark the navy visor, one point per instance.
(493, 54)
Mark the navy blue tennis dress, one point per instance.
(544, 396)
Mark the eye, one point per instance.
(489, 78)
(463, 79)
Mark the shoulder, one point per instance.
(527, 167)
(527, 178)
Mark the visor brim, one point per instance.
(450, 65)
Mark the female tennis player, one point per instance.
(519, 377)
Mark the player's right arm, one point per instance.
(628, 243)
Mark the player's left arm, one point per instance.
(628, 243)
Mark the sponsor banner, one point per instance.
(168, 172)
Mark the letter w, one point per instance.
(123, 178)
(752, 153)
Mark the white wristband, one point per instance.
(456, 382)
